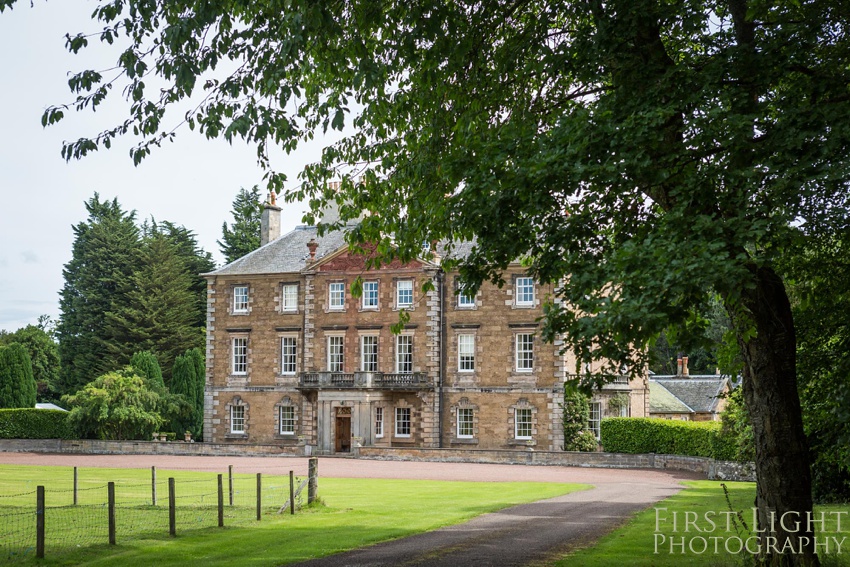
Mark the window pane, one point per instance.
(525, 291)
(369, 351)
(404, 293)
(237, 419)
(465, 427)
(288, 356)
(287, 420)
(240, 355)
(402, 422)
(522, 423)
(524, 352)
(370, 294)
(336, 354)
(337, 295)
(404, 353)
(466, 353)
(240, 299)
(290, 297)
(595, 417)
(379, 422)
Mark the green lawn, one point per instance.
(356, 512)
(652, 539)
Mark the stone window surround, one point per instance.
(233, 337)
(287, 335)
(282, 305)
(473, 334)
(231, 299)
(515, 351)
(361, 351)
(412, 351)
(464, 403)
(228, 414)
(377, 306)
(465, 307)
(328, 307)
(402, 404)
(522, 403)
(382, 421)
(535, 302)
(328, 336)
(286, 401)
(406, 307)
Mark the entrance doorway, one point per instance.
(343, 430)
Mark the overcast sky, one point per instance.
(191, 182)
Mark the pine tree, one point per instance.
(199, 361)
(147, 366)
(17, 386)
(155, 315)
(243, 235)
(183, 382)
(102, 262)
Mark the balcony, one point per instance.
(364, 381)
(605, 382)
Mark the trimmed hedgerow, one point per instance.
(663, 436)
(29, 423)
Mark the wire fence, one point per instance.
(50, 520)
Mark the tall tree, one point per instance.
(17, 386)
(155, 314)
(146, 365)
(199, 362)
(243, 234)
(643, 152)
(184, 381)
(103, 259)
(44, 356)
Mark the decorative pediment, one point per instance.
(344, 260)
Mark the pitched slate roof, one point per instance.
(289, 253)
(700, 393)
(662, 401)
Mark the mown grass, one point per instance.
(355, 513)
(645, 541)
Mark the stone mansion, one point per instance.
(294, 359)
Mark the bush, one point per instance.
(662, 436)
(28, 423)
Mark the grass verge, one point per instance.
(355, 513)
(661, 537)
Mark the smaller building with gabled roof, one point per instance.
(688, 397)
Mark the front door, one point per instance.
(343, 430)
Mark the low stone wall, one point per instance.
(94, 447)
(713, 470)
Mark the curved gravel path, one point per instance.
(526, 535)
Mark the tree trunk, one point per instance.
(784, 490)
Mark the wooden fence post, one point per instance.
(230, 483)
(110, 495)
(291, 492)
(220, 501)
(153, 486)
(75, 486)
(172, 505)
(259, 496)
(312, 479)
(39, 522)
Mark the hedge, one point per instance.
(667, 437)
(29, 423)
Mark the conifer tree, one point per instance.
(44, 355)
(17, 386)
(243, 235)
(146, 365)
(199, 361)
(155, 314)
(102, 262)
(183, 382)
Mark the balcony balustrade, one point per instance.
(364, 380)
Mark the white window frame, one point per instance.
(379, 422)
(239, 419)
(595, 418)
(403, 287)
(336, 353)
(466, 352)
(524, 291)
(404, 354)
(465, 301)
(288, 355)
(289, 298)
(370, 297)
(527, 423)
(465, 423)
(289, 420)
(239, 356)
(524, 357)
(403, 416)
(371, 350)
(240, 298)
(336, 291)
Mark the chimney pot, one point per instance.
(312, 246)
(685, 366)
(679, 366)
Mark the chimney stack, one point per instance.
(312, 246)
(269, 222)
(685, 366)
(679, 366)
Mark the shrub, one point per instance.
(576, 414)
(28, 423)
(650, 435)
